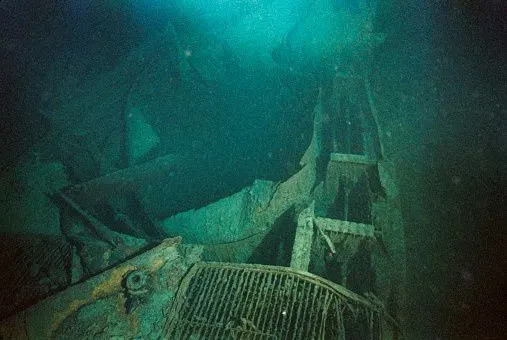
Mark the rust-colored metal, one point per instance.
(245, 301)
(45, 319)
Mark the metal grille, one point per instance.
(241, 301)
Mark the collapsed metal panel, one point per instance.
(244, 301)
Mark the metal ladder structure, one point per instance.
(252, 301)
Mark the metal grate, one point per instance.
(242, 301)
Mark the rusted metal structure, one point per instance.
(245, 301)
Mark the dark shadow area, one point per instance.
(352, 202)
(451, 164)
(360, 272)
(276, 247)
(21, 126)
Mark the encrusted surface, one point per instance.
(221, 300)
(98, 307)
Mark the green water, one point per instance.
(230, 86)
